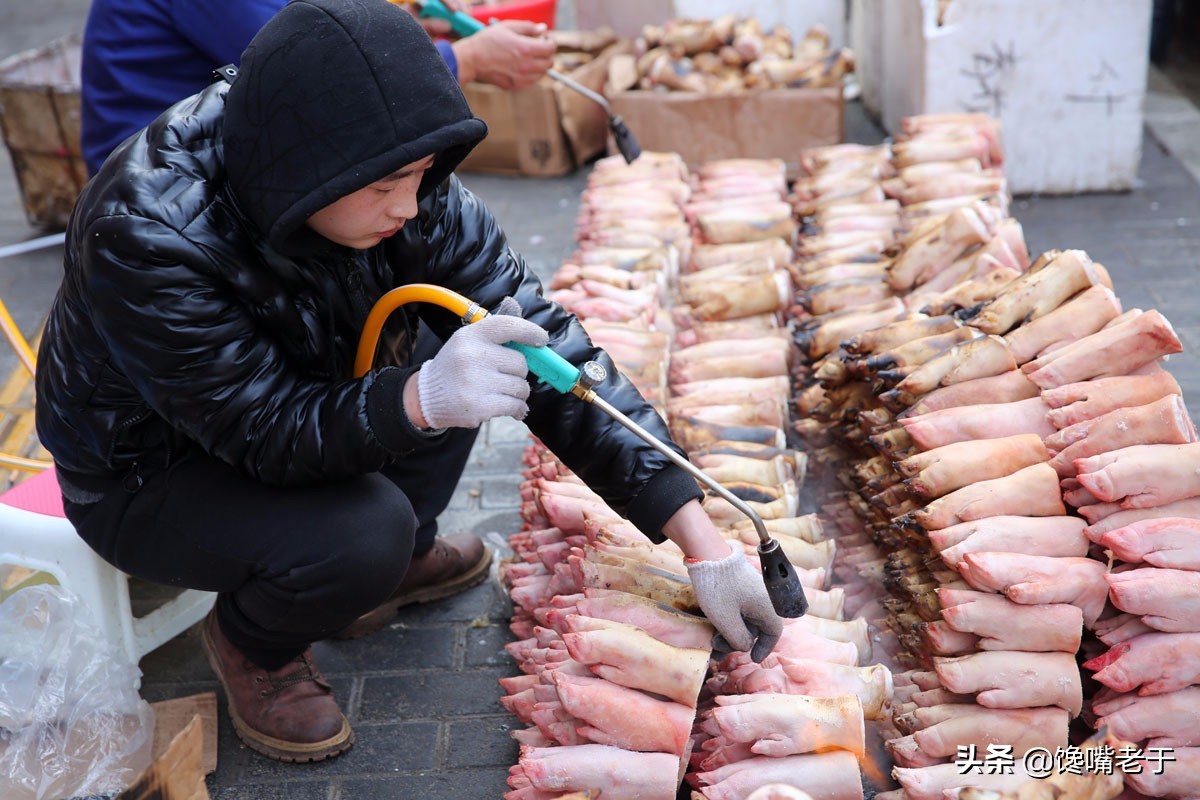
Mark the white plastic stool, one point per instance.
(35, 533)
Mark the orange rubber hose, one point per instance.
(413, 293)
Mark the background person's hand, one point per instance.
(474, 377)
(436, 28)
(510, 54)
(733, 596)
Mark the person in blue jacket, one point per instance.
(142, 56)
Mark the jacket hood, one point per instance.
(334, 95)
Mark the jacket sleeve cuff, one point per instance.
(385, 412)
(662, 496)
(447, 50)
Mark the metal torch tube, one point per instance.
(583, 90)
(763, 536)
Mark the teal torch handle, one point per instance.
(549, 366)
(461, 23)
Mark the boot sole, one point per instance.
(269, 746)
(374, 620)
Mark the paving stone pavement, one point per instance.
(423, 694)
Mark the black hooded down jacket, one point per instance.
(197, 310)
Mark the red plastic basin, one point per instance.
(531, 10)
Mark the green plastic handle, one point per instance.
(549, 366)
(461, 23)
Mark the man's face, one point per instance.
(375, 212)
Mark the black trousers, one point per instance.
(290, 565)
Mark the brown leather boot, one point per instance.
(457, 562)
(287, 714)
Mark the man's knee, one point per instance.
(364, 551)
(379, 540)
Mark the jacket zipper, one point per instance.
(358, 293)
(358, 296)
(131, 481)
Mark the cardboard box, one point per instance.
(627, 17)
(39, 118)
(542, 131)
(771, 123)
(184, 750)
(172, 716)
(1066, 79)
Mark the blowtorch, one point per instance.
(464, 25)
(782, 582)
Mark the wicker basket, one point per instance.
(39, 117)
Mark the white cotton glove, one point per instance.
(734, 598)
(474, 377)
